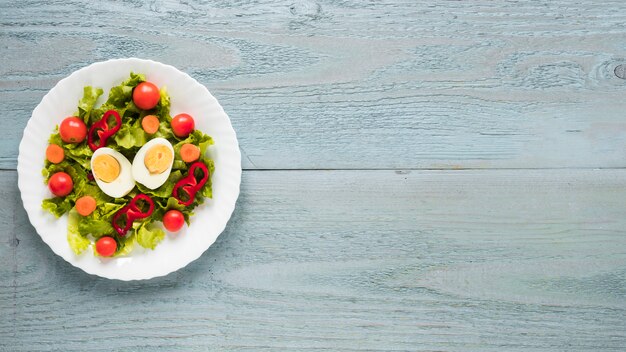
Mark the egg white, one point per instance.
(140, 171)
(124, 183)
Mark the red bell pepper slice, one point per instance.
(102, 130)
(131, 212)
(190, 185)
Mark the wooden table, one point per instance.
(423, 176)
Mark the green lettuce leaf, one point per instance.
(207, 189)
(165, 204)
(130, 137)
(120, 96)
(94, 227)
(81, 154)
(108, 209)
(57, 206)
(77, 243)
(55, 138)
(90, 188)
(148, 236)
(162, 110)
(125, 245)
(87, 103)
(165, 130)
(98, 113)
(165, 191)
(179, 165)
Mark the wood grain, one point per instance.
(360, 261)
(353, 84)
(329, 247)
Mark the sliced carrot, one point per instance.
(55, 154)
(85, 205)
(150, 124)
(189, 152)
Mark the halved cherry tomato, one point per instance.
(106, 246)
(183, 125)
(72, 130)
(60, 184)
(146, 95)
(173, 220)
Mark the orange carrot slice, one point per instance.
(189, 152)
(150, 124)
(55, 154)
(85, 205)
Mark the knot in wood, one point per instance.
(620, 71)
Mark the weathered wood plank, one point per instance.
(475, 260)
(352, 84)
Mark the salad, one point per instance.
(126, 172)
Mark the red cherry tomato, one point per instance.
(146, 95)
(73, 130)
(183, 125)
(173, 220)
(60, 184)
(106, 246)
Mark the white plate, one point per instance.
(187, 95)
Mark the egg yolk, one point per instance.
(106, 168)
(158, 159)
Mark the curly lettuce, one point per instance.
(149, 235)
(77, 242)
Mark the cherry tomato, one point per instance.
(146, 95)
(60, 184)
(106, 246)
(173, 220)
(73, 130)
(183, 125)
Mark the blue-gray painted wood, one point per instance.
(364, 260)
(354, 84)
(354, 260)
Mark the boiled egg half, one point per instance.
(153, 163)
(112, 172)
